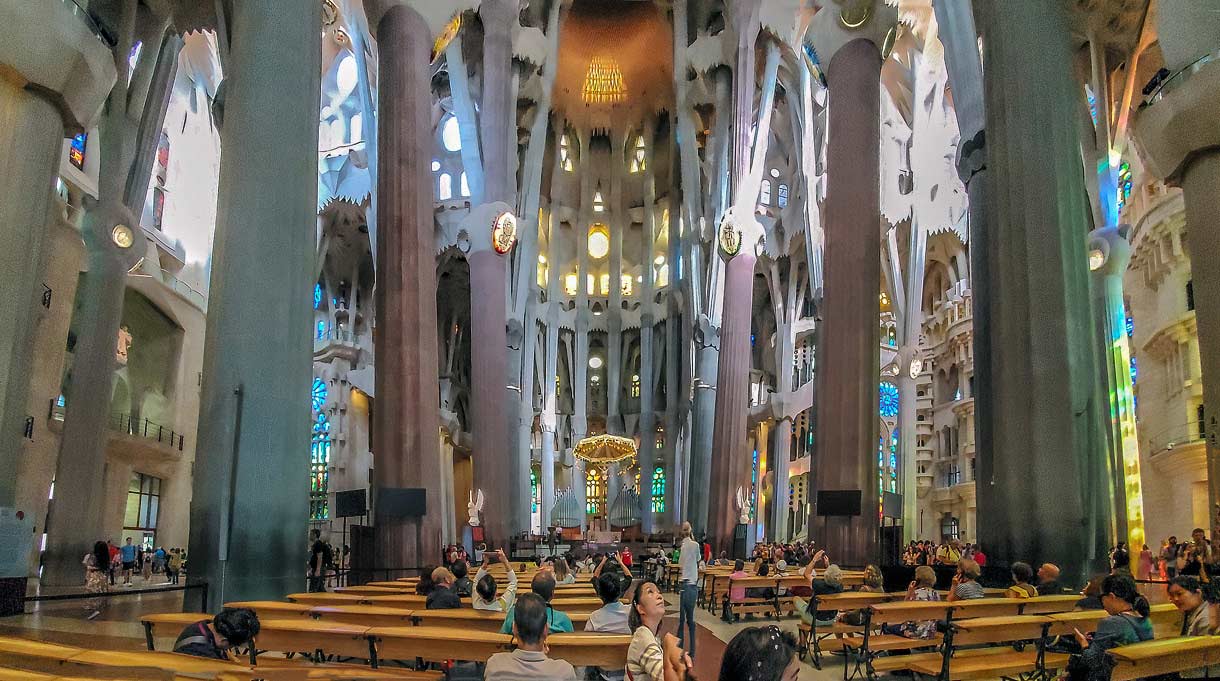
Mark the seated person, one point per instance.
(1127, 623)
(543, 586)
(761, 654)
(1021, 588)
(461, 579)
(562, 574)
(965, 582)
(923, 588)
(529, 661)
(1048, 580)
(949, 553)
(425, 584)
(486, 595)
(443, 596)
(873, 583)
(617, 569)
(1186, 594)
(761, 569)
(1091, 595)
(231, 628)
(831, 582)
(611, 618)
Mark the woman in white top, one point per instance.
(562, 574)
(485, 596)
(645, 656)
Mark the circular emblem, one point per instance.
(730, 238)
(122, 236)
(916, 367)
(504, 232)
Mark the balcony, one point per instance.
(1175, 437)
(336, 342)
(144, 430)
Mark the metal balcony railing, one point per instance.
(124, 423)
(1175, 436)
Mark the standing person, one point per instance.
(146, 568)
(96, 564)
(1120, 557)
(1198, 554)
(688, 561)
(978, 556)
(319, 558)
(174, 565)
(1169, 554)
(707, 549)
(115, 560)
(529, 662)
(1143, 568)
(128, 554)
(949, 553)
(625, 557)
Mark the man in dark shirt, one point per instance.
(231, 628)
(461, 578)
(319, 558)
(443, 597)
(1048, 580)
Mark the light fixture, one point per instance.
(122, 236)
(603, 82)
(1096, 259)
(595, 362)
(504, 232)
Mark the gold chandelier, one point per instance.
(603, 82)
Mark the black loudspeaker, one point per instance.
(401, 502)
(891, 505)
(349, 504)
(891, 545)
(838, 502)
(361, 540)
(739, 541)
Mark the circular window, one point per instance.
(450, 136)
(599, 241)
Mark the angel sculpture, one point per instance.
(743, 510)
(475, 507)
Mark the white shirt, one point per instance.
(689, 560)
(645, 658)
(609, 619)
(503, 603)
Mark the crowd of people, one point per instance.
(1197, 557)
(108, 562)
(928, 552)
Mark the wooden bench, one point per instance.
(480, 620)
(753, 604)
(368, 615)
(367, 590)
(812, 635)
(1162, 656)
(437, 643)
(320, 641)
(271, 609)
(1010, 661)
(1163, 615)
(312, 599)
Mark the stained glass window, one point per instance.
(637, 156)
(318, 394)
(534, 496)
(317, 296)
(635, 385)
(1133, 370)
(595, 491)
(764, 194)
(76, 151)
(658, 490)
(783, 196)
(451, 137)
(565, 154)
(444, 187)
(1124, 184)
(888, 407)
(319, 468)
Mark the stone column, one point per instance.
(549, 408)
(618, 222)
(731, 462)
(846, 437)
(778, 461)
(1038, 316)
(405, 418)
(1179, 137)
(250, 507)
(31, 142)
(647, 422)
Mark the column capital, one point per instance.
(846, 21)
(1109, 251)
(489, 227)
(972, 156)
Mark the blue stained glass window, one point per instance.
(317, 295)
(888, 400)
(534, 491)
(1130, 326)
(1124, 184)
(1133, 370)
(76, 152)
(321, 329)
(319, 468)
(318, 394)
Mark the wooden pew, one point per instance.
(272, 609)
(367, 590)
(1164, 617)
(773, 606)
(861, 650)
(1163, 656)
(812, 635)
(312, 599)
(367, 615)
(480, 620)
(949, 664)
(437, 643)
(590, 649)
(318, 639)
(1042, 605)
(168, 624)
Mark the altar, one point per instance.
(603, 537)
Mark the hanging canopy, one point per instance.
(605, 449)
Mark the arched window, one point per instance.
(658, 490)
(595, 491)
(463, 184)
(783, 196)
(637, 155)
(535, 495)
(317, 296)
(599, 204)
(888, 400)
(444, 187)
(764, 195)
(565, 154)
(635, 385)
(319, 454)
(451, 136)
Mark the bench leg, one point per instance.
(148, 635)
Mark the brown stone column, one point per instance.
(406, 422)
(489, 396)
(730, 464)
(846, 426)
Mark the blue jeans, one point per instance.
(686, 615)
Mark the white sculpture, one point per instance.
(475, 507)
(743, 511)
